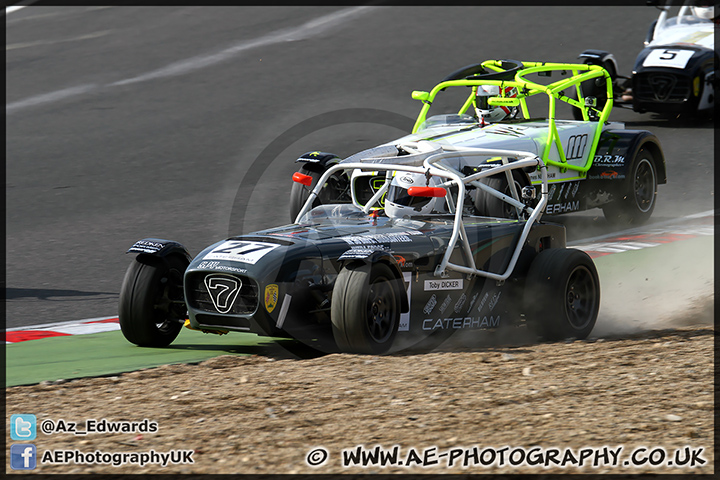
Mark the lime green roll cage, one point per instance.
(527, 88)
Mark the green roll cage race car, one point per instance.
(591, 162)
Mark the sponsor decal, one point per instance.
(283, 310)
(404, 324)
(494, 300)
(563, 207)
(445, 284)
(472, 301)
(576, 146)
(311, 157)
(482, 302)
(146, 246)
(271, 297)
(608, 175)
(609, 160)
(571, 189)
(377, 239)
(445, 304)
(457, 323)
(509, 130)
(538, 176)
(430, 305)
(459, 304)
(403, 262)
(241, 251)
(361, 252)
(219, 266)
(575, 189)
(223, 291)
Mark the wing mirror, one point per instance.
(427, 192)
(302, 178)
(420, 95)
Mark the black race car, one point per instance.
(362, 280)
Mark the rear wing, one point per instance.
(435, 163)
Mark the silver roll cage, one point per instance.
(435, 163)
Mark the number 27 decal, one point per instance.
(241, 251)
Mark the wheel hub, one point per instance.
(380, 314)
(580, 297)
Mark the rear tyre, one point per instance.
(489, 206)
(562, 294)
(591, 88)
(336, 190)
(365, 310)
(152, 307)
(638, 194)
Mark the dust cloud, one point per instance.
(662, 287)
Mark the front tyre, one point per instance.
(638, 194)
(152, 307)
(365, 310)
(563, 294)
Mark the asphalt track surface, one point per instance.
(183, 122)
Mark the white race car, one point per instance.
(675, 72)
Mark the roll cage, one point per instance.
(433, 162)
(684, 16)
(512, 73)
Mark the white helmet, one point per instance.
(399, 203)
(705, 12)
(492, 113)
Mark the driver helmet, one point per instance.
(399, 204)
(704, 12)
(493, 113)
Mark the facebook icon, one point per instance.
(23, 456)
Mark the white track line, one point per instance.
(47, 326)
(307, 30)
(643, 228)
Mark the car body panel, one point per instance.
(675, 72)
(292, 269)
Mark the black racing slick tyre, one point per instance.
(487, 205)
(152, 307)
(638, 195)
(366, 307)
(563, 293)
(595, 88)
(336, 190)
